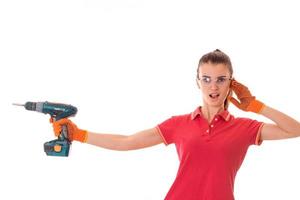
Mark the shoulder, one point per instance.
(246, 122)
(182, 117)
(178, 119)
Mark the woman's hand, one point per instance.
(74, 133)
(247, 101)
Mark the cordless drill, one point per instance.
(57, 111)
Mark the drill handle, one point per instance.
(64, 133)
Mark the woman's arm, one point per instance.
(284, 127)
(142, 139)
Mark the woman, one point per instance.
(211, 143)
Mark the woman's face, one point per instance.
(214, 82)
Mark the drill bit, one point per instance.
(18, 104)
(34, 106)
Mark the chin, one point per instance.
(215, 103)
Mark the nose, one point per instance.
(213, 85)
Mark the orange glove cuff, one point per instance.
(255, 106)
(81, 135)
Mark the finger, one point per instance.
(234, 82)
(235, 85)
(235, 90)
(56, 129)
(240, 88)
(238, 84)
(235, 102)
(51, 120)
(63, 121)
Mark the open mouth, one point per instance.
(214, 95)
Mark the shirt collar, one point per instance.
(224, 114)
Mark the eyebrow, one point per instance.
(210, 76)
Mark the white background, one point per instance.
(129, 65)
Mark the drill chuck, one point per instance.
(34, 106)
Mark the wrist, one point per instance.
(256, 106)
(81, 136)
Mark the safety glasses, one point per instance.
(220, 81)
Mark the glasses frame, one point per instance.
(216, 80)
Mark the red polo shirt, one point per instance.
(210, 154)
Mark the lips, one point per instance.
(214, 95)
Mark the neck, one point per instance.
(209, 111)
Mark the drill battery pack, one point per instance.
(57, 147)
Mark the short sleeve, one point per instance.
(167, 130)
(254, 131)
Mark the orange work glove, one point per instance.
(74, 133)
(247, 101)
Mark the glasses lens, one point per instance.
(219, 80)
